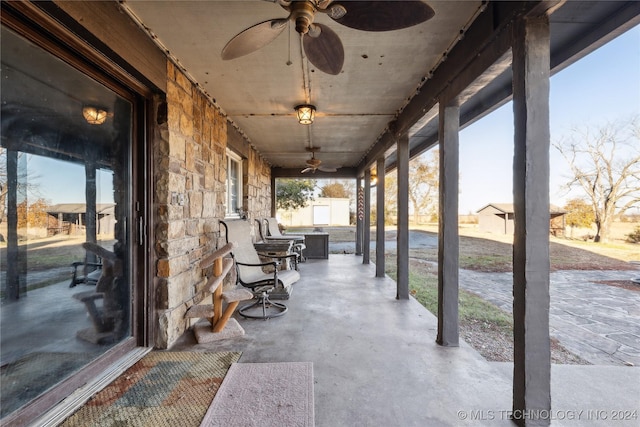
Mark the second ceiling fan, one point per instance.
(322, 45)
(313, 164)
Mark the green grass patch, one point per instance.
(424, 288)
(47, 261)
(486, 262)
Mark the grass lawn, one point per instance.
(484, 326)
(493, 252)
(49, 259)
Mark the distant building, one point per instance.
(70, 218)
(498, 218)
(323, 211)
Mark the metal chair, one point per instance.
(275, 283)
(272, 232)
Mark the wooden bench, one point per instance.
(220, 325)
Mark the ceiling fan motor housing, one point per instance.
(302, 12)
(313, 162)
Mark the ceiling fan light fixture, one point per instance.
(306, 113)
(336, 11)
(94, 115)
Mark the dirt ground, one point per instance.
(497, 346)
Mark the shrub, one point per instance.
(634, 236)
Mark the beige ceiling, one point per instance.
(396, 76)
(382, 70)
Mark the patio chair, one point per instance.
(275, 284)
(274, 247)
(87, 271)
(261, 231)
(272, 232)
(108, 317)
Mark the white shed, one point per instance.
(323, 211)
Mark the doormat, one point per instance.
(26, 378)
(162, 389)
(264, 395)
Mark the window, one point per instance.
(234, 185)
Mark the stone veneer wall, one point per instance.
(190, 194)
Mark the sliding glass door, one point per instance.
(65, 219)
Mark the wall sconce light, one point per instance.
(374, 180)
(94, 115)
(306, 113)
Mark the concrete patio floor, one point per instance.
(376, 362)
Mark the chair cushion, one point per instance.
(239, 231)
(288, 277)
(274, 232)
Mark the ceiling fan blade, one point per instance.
(253, 38)
(327, 169)
(381, 15)
(308, 170)
(324, 49)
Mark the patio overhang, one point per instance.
(463, 52)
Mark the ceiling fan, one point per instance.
(322, 45)
(313, 164)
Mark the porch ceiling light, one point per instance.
(306, 113)
(94, 115)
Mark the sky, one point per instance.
(602, 87)
(63, 182)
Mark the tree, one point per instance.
(293, 194)
(33, 215)
(26, 181)
(605, 164)
(391, 196)
(579, 214)
(335, 189)
(423, 185)
(344, 189)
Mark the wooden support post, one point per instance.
(359, 216)
(219, 325)
(532, 354)
(217, 267)
(366, 229)
(13, 249)
(448, 240)
(217, 295)
(403, 219)
(217, 306)
(380, 264)
(273, 196)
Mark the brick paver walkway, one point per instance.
(598, 322)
